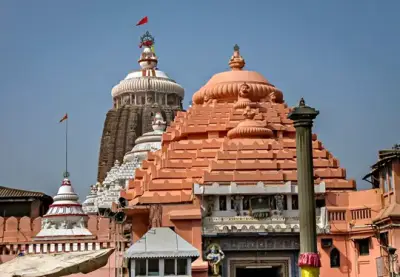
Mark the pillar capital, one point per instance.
(303, 115)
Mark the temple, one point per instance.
(225, 180)
(216, 193)
(62, 232)
(136, 100)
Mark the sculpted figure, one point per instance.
(244, 91)
(64, 225)
(279, 202)
(207, 99)
(236, 203)
(155, 216)
(210, 206)
(214, 257)
(81, 223)
(45, 224)
(272, 97)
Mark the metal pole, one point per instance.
(303, 117)
(66, 147)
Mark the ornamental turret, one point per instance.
(103, 195)
(65, 219)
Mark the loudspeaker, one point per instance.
(120, 217)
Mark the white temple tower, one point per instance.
(65, 219)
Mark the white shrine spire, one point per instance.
(65, 219)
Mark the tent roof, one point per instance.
(161, 243)
(55, 265)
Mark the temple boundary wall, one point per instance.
(24, 229)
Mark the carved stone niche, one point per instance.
(170, 99)
(150, 97)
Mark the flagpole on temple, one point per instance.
(65, 118)
(66, 148)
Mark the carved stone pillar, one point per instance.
(303, 117)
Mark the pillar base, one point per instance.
(309, 271)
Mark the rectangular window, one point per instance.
(222, 203)
(320, 203)
(169, 267)
(384, 180)
(295, 202)
(153, 267)
(363, 246)
(182, 267)
(140, 267)
(246, 202)
(390, 177)
(384, 239)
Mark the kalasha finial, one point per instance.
(236, 62)
(146, 40)
(66, 174)
(302, 103)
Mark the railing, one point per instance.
(337, 215)
(346, 215)
(46, 247)
(361, 214)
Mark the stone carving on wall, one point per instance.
(214, 257)
(254, 243)
(155, 216)
(126, 100)
(244, 91)
(236, 203)
(170, 99)
(150, 99)
(45, 224)
(272, 97)
(209, 206)
(279, 200)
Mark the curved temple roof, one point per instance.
(236, 131)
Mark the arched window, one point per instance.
(335, 258)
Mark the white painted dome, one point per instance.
(148, 78)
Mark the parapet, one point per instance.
(24, 229)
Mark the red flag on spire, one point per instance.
(142, 21)
(64, 118)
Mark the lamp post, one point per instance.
(303, 117)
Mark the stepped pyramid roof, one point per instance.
(237, 130)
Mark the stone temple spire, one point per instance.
(144, 92)
(65, 219)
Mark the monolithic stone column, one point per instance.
(303, 117)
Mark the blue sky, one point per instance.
(65, 56)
